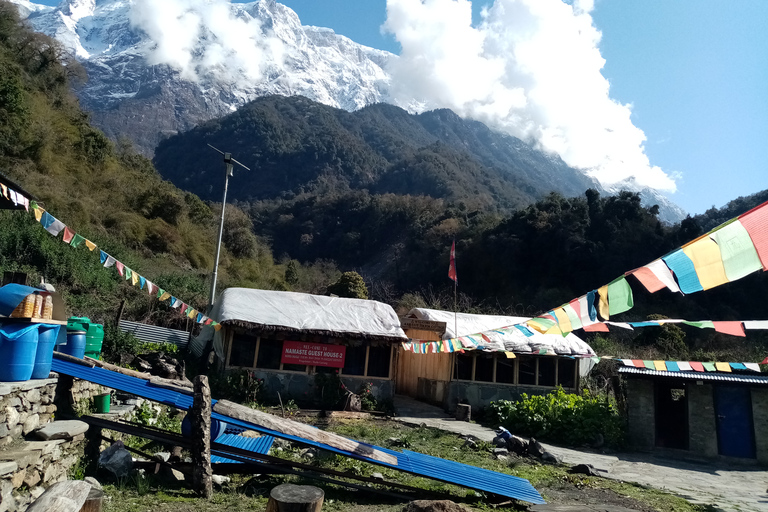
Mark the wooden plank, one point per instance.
(72, 359)
(424, 325)
(294, 428)
(68, 496)
(182, 386)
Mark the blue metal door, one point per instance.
(735, 432)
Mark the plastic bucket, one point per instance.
(217, 427)
(94, 334)
(75, 344)
(45, 342)
(102, 402)
(18, 348)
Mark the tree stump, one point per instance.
(295, 498)
(463, 412)
(94, 501)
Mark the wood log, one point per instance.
(67, 496)
(200, 414)
(94, 501)
(295, 498)
(182, 386)
(72, 359)
(294, 428)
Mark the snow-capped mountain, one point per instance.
(149, 87)
(157, 68)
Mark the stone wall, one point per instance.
(30, 459)
(641, 414)
(301, 388)
(702, 428)
(760, 421)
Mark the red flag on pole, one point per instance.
(452, 266)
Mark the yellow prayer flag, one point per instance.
(134, 278)
(660, 365)
(5, 190)
(217, 327)
(723, 367)
(510, 355)
(707, 261)
(563, 320)
(165, 296)
(535, 325)
(192, 313)
(91, 246)
(38, 214)
(602, 305)
(555, 329)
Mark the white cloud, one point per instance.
(206, 37)
(531, 68)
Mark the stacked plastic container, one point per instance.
(93, 336)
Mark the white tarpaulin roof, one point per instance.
(317, 314)
(511, 341)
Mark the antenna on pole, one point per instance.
(228, 161)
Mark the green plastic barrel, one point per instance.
(102, 402)
(94, 334)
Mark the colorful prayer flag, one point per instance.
(705, 255)
(596, 327)
(696, 366)
(723, 367)
(660, 366)
(655, 276)
(732, 328)
(755, 221)
(134, 278)
(737, 250)
(682, 266)
(602, 305)
(77, 240)
(142, 282)
(619, 296)
(90, 245)
(68, 235)
(120, 268)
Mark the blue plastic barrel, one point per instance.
(45, 342)
(75, 344)
(18, 347)
(217, 427)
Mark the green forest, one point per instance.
(384, 203)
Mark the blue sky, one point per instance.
(694, 71)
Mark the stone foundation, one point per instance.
(29, 465)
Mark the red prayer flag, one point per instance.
(646, 276)
(68, 235)
(765, 361)
(598, 327)
(755, 221)
(638, 363)
(452, 265)
(697, 366)
(120, 268)
(732, 328)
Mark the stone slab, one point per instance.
(29, 384)
(66, 429)
(21, 458)
(44, 446)
(8, 466)
(5, 389)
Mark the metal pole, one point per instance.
(227, 174)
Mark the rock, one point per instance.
(499, 442)
(7, 467)
(220, 480)
(32, 478)
(469, 443)
(33, 395)
(163, 456)
(433, 506)
(535, 448)
(36, 493)
(94, 483)
(584, 469)
(500, 452)
(518, 445)
(551, 457)
(66, 429)
(377, 476)
(354, 403)
(308, 453)
(32, 422)
(11, 417)
(396, 441)
(18, 478)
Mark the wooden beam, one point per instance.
(72, 359)
(294, 428)
(181, 386)
(67, 496)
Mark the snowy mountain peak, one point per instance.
(77, 9)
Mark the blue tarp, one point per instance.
(11, 296)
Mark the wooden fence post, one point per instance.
(202, 474)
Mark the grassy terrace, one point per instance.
(249, 492)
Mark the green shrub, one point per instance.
(561, 418)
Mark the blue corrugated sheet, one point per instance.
(753, 379)
(411, 462)
(258, 445)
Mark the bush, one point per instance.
(117, 342)
(561, 418)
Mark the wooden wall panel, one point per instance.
(411, 366)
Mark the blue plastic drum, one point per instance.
(45, 343)
(75, 344)
(217, 427)
(18, 348)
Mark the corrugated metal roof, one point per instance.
(259, 445)
(411, 462)
(154, 334)
(715, 376)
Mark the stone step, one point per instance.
(22, 458)
(66, 429)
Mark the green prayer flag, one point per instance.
(619, 296)
(77, 240)
(737, 250)
(572, 316)
(160, 292)
(710, 367)
(704, 324)
(128, 273)
(649, 364)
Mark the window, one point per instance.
(378, 361)
(523, 370)
(243, 351)
(354, 361)
(270, 352)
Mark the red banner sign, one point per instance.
(313, 354)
